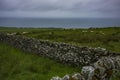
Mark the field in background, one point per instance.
(108, 38)
(19, 65)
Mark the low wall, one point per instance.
(65, 53)
(103, 64)
(103, 69)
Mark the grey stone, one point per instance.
(104, 63)
(56, 78)
(66, 77)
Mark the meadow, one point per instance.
(108, 38)
(18, 65)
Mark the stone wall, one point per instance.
(65, 53)
(103, 69)
(103, 63)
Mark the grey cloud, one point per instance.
(63, 7)
(109, 8)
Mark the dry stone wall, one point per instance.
(103, 64)
(103, 69)
(65, 53)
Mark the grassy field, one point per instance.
(108, 38)
(18, 65)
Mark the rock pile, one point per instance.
(102, 62)
(65, 53)
(103, 69)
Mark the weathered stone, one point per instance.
(66, 77)
(56, 78)
(88, 72)
(78, 76)
(102, 68)
(98, 71)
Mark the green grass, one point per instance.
(108, 38)
(117, 76)
(18, 65)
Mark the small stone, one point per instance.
(66, 77)
(78, 76)
(88, 72)
(56, 78)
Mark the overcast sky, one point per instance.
(60, 8)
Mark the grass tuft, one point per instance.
(18, 65)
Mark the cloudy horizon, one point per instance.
(60, 8)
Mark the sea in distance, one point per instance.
(60, 22)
